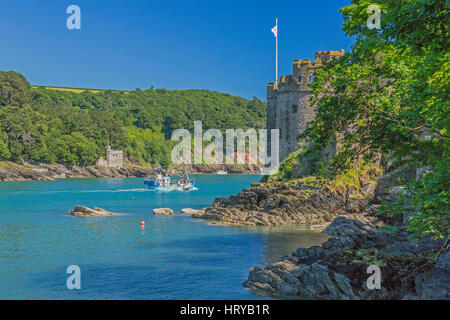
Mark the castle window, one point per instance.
(294, 108)
(300, 79)
(311, 79)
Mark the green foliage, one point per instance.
(386, 95)
(74, 127)
(14, 89)
(368, 257)
(389, 98)
(148, 147)
(286, 167)
(354, 178)
(392, 230)
(4, 151)
(428, 198)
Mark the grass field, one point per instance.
(77, 90)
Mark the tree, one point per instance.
(53, 126)
(14, 89)
(4, 151)
(389, 96)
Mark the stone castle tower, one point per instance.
(288, 103)
(114, 159)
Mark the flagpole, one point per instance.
(276, 55)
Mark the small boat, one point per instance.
(159, 183)
(164, 183)
(221, 172)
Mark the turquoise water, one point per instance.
(171, 258)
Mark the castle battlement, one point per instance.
(288, 101)
(302, 74)
(114, 159)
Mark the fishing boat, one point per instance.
(166, 183)
(221, 172)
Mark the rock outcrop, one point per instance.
(313, 281)
(436, 283)
(192, 211)
(82, 211)
(343, 225)
(163, 212)
(338, 268)
(288, 203)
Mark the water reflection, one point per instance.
(283, 240)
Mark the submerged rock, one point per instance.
(163, 212)
(82, 211)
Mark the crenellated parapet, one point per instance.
(271, 91)
(288, 101)
(114, 159)
(324, 56)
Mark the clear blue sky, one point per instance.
(217, 45)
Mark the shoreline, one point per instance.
(10, 171)
(336, 269)
(359, 237)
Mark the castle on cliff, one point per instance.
(288, 102)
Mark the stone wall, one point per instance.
(114, 158)
(288, 101)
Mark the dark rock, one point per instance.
(436, 284)
(409, 248)
(392, 179)
(343, 225)
(338, 268)
(313, 281)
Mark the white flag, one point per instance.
(275, 30)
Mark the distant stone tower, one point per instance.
(288, 104)
(114, 158)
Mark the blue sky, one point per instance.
(225, 46)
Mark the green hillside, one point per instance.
(74, 126)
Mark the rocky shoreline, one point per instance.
(348, 212)
(10, 171)
(338, 268)
(282, 203)
(360, 238)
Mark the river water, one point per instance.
(174, 257)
